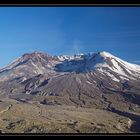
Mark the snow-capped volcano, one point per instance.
(93, 79)
(41, 63)
(29, 65)
(103, 62)
(118, 66)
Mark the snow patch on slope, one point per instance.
(108, 74)
(39, 71)
(106, 54)
(123, 78)
(90, 83)
(117, 69)
(132, 69)
(130, 66)
(70, 57)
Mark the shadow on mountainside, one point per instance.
(71, 66)
(136, 118)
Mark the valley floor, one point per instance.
(17, 117)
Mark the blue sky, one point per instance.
(64, 30)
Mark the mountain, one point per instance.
(29, 65)
(99, 80)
